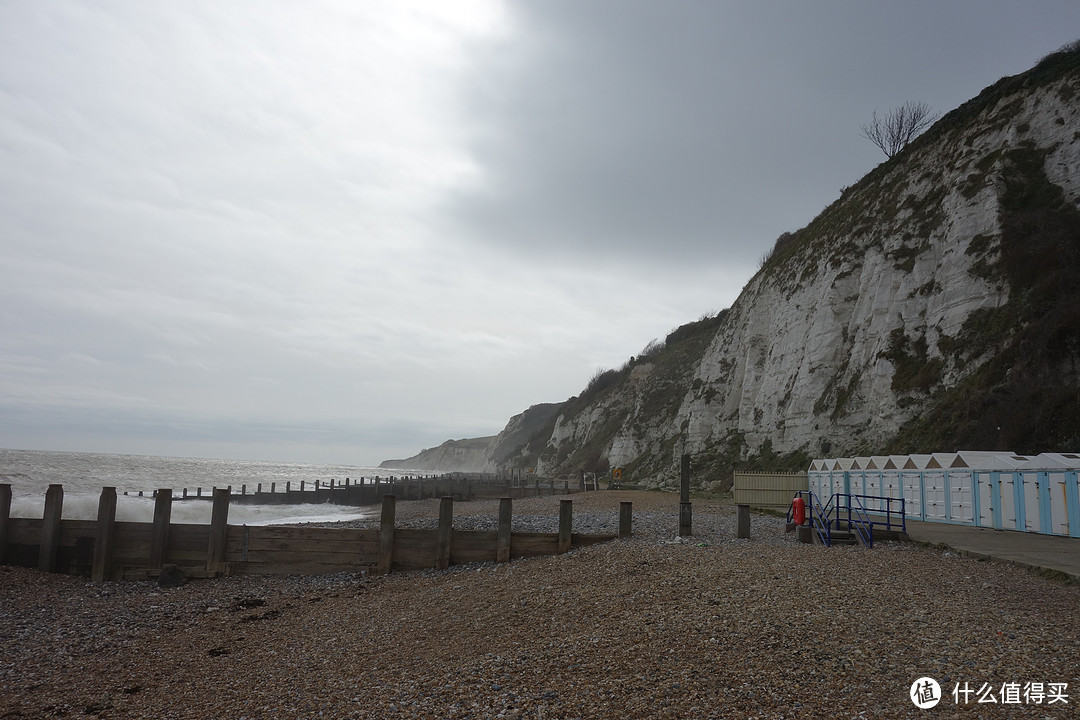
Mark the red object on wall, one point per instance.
(798, 510)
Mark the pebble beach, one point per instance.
(649, 627)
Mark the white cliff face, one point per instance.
(807, 358)
(468, 455)
(802, 360)
(862, 322)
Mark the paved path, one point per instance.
(1050, 552)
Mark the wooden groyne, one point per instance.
(106, 549)
(370, 491)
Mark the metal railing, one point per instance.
(848, 512)
(857, 520)
(817, 514)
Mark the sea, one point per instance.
(30, 472)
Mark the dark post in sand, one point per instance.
(685, 508)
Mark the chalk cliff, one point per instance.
(486, 454)
(933, 306)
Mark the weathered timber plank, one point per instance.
(255, 543)
(189, 537)
(502, 543)
(259, 538)
(415, 534)
(474, 546)
(272, 532)
(71, 530)
(305, 547)
(131, 543)
(533, 544)
(186, 558)
(386, 533)
(584, 540)
(50, 528)
(414, 559)
(219, 526)
(159, 535)
(5, 515)
(248, 568)
(475, 539)
(566, 523)
(444, 536)
(101, 565)
(24, 531)
(313, 556)
(192, 571)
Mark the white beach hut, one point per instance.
(998, 483)
(1043, 505)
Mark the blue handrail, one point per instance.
(817, 514)
(857, 519)
(848, 507)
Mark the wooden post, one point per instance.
(386, 535)
(446, 526)
(50, 528)
(5, 515)
(103, 538)
(684, 474)
(686, 514)
(626, 518)
(742, 520)
(219, 525)
(566, 524)
(159, 543)
(685, 508)
(502, 544)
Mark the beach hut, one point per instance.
(911, 484)
(892, 484)
(1000, 490)
(1043, 506)
(934, 488)
(858, 475)
(873, 473)
(959, 487)
(817, 477)
(999, 485)
(1064, 489)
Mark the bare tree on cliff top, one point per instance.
(899, 126)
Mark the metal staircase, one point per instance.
(844, 520)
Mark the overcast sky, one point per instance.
(344, 231)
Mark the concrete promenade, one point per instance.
(1047, 552)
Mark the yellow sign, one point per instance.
(617, 473)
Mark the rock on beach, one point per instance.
(651, 627)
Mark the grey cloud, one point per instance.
(696, 132)
(229, 222)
